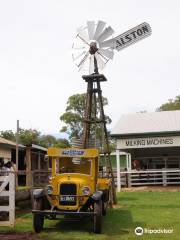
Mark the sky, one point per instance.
(37, 74)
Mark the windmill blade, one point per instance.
(78, 43)
(85, 66)
(91, 64)
(78, 55)
(80, 48)
(91, 29)
(82, 33)
(99, 29)
(108, 53)
(105, 34)
(83, 61)
(77, 50)
(100, 62)
(111, 43)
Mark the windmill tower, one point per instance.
(92, 49)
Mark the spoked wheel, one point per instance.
(38, 219)
(98, 217)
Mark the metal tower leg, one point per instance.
(93, 88)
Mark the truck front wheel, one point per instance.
(98, 216)
(38, 219)
(104, 208)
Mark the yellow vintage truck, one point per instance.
(75, 188)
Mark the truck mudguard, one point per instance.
(97, 195)
(38, 193)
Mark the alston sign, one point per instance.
(129, 37)
(132, 36)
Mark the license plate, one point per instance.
(67, 198)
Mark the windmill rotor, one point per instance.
(94, 45)
(87, 52)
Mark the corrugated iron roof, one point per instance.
(11, 143)
(39, 147)
(154, 122)
(7, 142)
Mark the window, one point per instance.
(75, 165)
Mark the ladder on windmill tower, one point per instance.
(92, 49)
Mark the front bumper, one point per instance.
(53, 214)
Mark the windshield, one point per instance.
(75, 165)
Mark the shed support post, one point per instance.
(28, 167)
(129, 169)
(127, 162)
(130, 164)
(164, 178)
(118, 170)
(39, 168)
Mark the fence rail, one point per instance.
(127, 178)
(162, 177)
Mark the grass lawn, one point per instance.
(152, 210)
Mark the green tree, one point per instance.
(62, 143)
(26, 136)
(47, 140)
(32, 136)
(29, 136)
(50, 141)
(74, 116)
(8, 134)
(172, 104)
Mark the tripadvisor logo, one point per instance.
(139, 231)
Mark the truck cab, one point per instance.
(75, 188)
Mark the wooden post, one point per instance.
(39, 168)
(17, 152)
(12, 199)
(28, 167)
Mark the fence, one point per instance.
(162, 177)
(36, 178)
(7, 190)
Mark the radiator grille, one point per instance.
(66, 194)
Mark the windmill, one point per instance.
(93, 47)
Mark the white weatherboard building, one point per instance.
(151, 142)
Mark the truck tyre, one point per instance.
(38, 219)
(98, 216)
(104, 208)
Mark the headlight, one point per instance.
(86, 190)
(49, 189)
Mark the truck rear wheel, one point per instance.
(98, 216)
(38, 219)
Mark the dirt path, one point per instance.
(18, 236)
